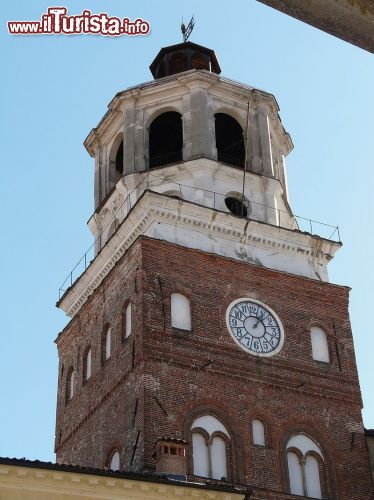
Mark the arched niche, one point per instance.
(165, 139)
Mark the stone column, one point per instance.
(98, 190)
(140, 159)
(264, 130)
(254, 146)
(271, 206)
(129, 138)
(199, 138)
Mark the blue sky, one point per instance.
(56, 88)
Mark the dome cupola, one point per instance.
(183, 57)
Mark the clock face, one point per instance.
(255, 327)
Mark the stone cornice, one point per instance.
(154, 207)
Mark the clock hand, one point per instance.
(255, 325)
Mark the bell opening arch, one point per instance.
(165, 139)
(229, 140)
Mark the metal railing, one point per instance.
(165, 159)
(205, 197)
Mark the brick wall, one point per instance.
(175, 377)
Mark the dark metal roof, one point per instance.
(183, 47)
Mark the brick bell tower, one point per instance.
(205, 338)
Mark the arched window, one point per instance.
(209, 447)
(305, 465)
(87, 364)
(258, 432)
(119, 162)
(180, 312)
(165, 139)
(320, 349)
(106, 344)
(114, 460)
(229, 140)
(116, 161)
(127, 321)
(70, 384)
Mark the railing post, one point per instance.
(214, 200)
(311, 227)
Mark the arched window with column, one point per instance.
(305, 466)
(210, 441)
(229, 140)
(165, 139)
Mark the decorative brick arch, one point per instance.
(234, 445)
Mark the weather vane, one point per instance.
(186, 32)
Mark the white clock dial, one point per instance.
(255, 327)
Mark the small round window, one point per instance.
(237, 204)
